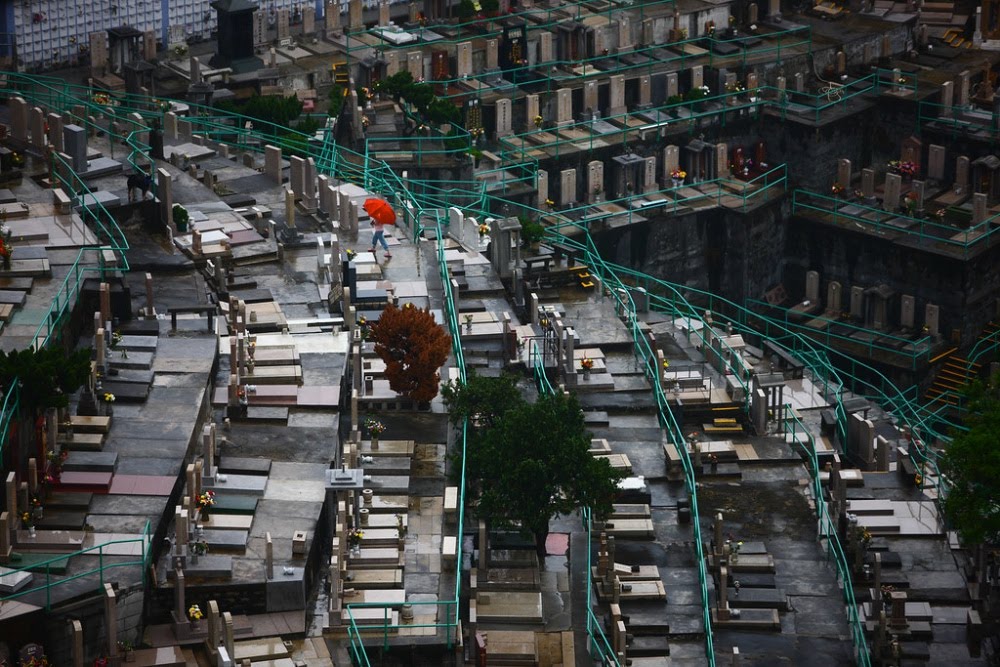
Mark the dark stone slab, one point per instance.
(244, 466)
(7, 197)
(29, 252)
(61, 500)
(225, 540)
(163, 467)
(127, 392)
(142, 327)
(755, 580)
(253, 296)
(208, 567)
(122, 505)
(55, 519)
(16, 283)
(287, 591)
(758, 598)
(239, 200)
(91, 462)
(266, 415)
(131, 376)
(234, 504)
(135, 360)
(36, 562)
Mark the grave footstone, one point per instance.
(893, 184)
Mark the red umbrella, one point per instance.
(380, 211)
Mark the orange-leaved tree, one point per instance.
(413, 347)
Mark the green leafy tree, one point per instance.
(47, 376)
(413, 347)
(530, 462)
(336, 99)
(972, 464)
(484, 400)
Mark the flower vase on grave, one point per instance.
(374, 441)
(677, 182)
(586, 375)
(6, 262)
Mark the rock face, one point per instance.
(738, 256)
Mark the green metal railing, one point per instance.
(913, 352)
(960, 120)
(931, 235)
(142, 539)
(828, 533)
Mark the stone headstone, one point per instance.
(492, 54)
(308, 20)
(833, 298)
(75, 142)
(567, 186)
(844, 172)
(697, 76)
(961, 175)
(356, 15)
(947, 97)
(935, 162)
(672, 89)
(645, 90)
(812, 287)
(541, 188)
(980, 204)
(589, 97)
(907, 309)
(857, 302)
(893, 184)
(616, 95)
(545, 47)
(463, 59)
(564, 106)
(282, 27)
(98, 52)
(868, 183)
(531, 111)
(383, 13)
(595, 179)
(18, 109)
(963, 89)
(272, 163)
(415, 64)
(800, 82)
(55, 137)
(722, 160)
(36, 121)
(671, 161)
(504, 117)
(932, 314)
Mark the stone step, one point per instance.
(266, 415)
(258, 650)
(61, 519)
(757, 598)
(377, 558)
(79, 501)
(90, 424)
(127, 392)
(131, 376)
(85, 482)
(275, 375)
(11, 581)
(87, 442)
(249, 485)
(389, 504)
(379, 537)
(41, 562)
(17, 284)
(228, 522)
(509, 607)
(386, 465)
(134, 361)
(13, 298)
(234, 504)
(370, 616)
(225, 540)
(373, 579)
(207, 567)
(132, 342)
(244, 466)
(388, 484)
(90, 462)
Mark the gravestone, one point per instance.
(504, 120)
(545, 47)
(841, 62)
(961, 174)
(391, 63)
(464, 59)
(283, 30)
(645, 90)
(812, 287)
(98, 52)
(963, 89)
(624, 33)
(722, 160)
(564, 106)
(415, 65)
(907, 309)
(356, 15)
(272, 163)
(56, 131)
(893, 184)
(844, 172)
(671, 161)
(947, 97)
(567, 186)
(75, 141)
(800, 82)
(331, 16)
(383, 13)
(649, 175)
(932, 322)
(589, 98)
(697, 76)
(541, 188)
(36, 120)
(917, 188)
(595, 180)
(671, 85)
(297, 170)
(935, 162)
(868, 184)
(616, 95)
(530, 111)
(781, 83)
(833, 294)
(492, 55)
(18, 109)
(857, 302)
(979, 207)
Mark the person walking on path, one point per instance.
(378, 236)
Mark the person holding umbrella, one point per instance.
(381, 214)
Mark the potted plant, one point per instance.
(126, 649)
(195, 614)
(28, 521)
(531, 233)
(354, 540)
(181, 218)
(678, 176)
(587, 364)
